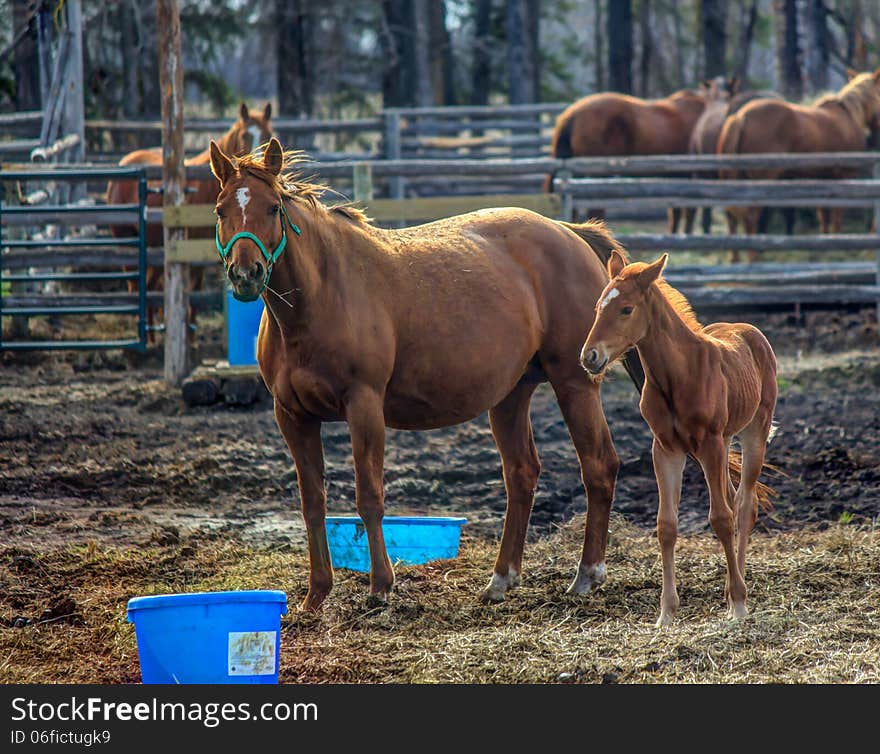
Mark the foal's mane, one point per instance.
(291, 183)
(679, 303)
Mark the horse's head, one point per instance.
(862, 92)
(621, 313)
(252, 223)
(250, 131)
(719, 89)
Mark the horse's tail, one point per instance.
(729, 141)
(600, 240)
(560, 147)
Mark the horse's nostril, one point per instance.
(257, 271)
(593, 356)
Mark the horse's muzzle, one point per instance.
(594, 361)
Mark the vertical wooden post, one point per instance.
(563, 177)
(363, 182)
(876, 174)
(173, 178)
(73, 119)
(392, 150)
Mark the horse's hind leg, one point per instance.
(519, 459)
(754, 442)
(713, 458)
(668, 468)
(581, 407)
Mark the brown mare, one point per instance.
(703, 386)
(247, 133)
(610, 124)
(835, 123)
(416, 329)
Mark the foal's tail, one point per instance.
(600, 240)
(764, 492)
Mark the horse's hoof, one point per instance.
(737, 610)
(587, 579)
(665, 620)
(312, 603)
(377, 599)
(499, 585)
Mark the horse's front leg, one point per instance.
(303, 437)
(366, 422)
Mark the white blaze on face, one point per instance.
(243, 195)
(255, 137)
(610, 296)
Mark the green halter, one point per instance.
(270, 258)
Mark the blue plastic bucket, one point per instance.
(242, 328)
(412, 540)
(209, 637)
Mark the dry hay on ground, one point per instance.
(814, 596)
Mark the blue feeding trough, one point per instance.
(242, 328)
(412, 540)
(209, 637)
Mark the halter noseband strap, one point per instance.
(272, 258)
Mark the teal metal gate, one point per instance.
(100, 251)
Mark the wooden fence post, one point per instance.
(362, 178)
(876, 174)
(564, 176)
(391, 149)
(173, 178)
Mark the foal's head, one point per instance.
(252, 224)
(250, 131)
(621, 312)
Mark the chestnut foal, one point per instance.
(703, 386)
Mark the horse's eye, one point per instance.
(218, 212)
(626, 311)
(274, 209)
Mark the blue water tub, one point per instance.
(242, 328)
(209, 637)
(412, 540)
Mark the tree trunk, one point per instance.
(398, 39)
(293, 25)
(647, 51)
(481, 74)
(819, 48)
(788, 50)
(442, 63)
(173, 180)
(713, 21)
(620, 46)
(533, 20)
(520, 59)
(129, 53)
(749, 19)
(598, 46)
(25, 59)
(421, 48)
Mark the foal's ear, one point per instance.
(244, 112)
(267, 112)
(733, 84)
(652, 272)
(616, 263)
(273, 157)
(851, 74)
(221, 165)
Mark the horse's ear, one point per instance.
(652, 272)
(273, 157)
(733, 84)
(851, 74)
(705, 84)
(244, 112)
(877, 75)
(267, 112)
(221, 165)
(616, 263)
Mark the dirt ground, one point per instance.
(98, 455)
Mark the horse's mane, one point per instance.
(853, 97)
(291, 183)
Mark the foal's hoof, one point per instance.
(312, 603)
(377, 599)
(665, 620)
(498, 586)
(587, 579)
(737, 610)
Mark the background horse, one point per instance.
(835, 123)
(703, 386)
(247, 133)
(416, 329)
(610, 124)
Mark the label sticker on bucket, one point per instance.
(252, 652)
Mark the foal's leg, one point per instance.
(668, 468)
(364, 413)
(581, 407)
(519, 458)
(754, 441)
(713, 458)
(303, 437)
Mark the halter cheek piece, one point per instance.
(224, 251)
